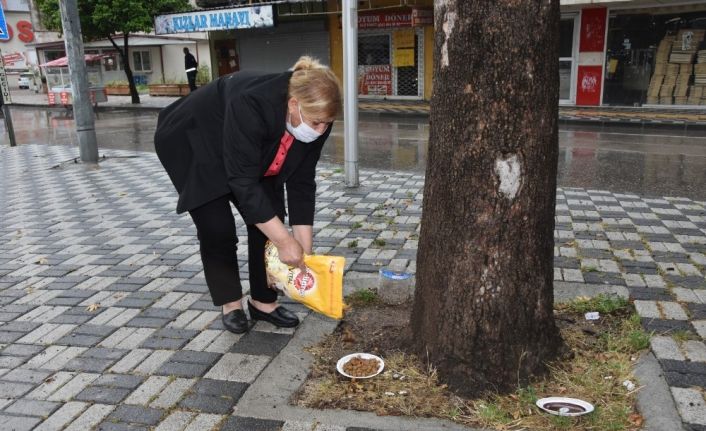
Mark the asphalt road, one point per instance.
(644, 161)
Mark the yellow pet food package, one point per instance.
(319, 288)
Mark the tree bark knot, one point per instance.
(509, 172)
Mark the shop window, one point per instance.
(566, 38)
(111, 61)
(566, 58)
(565, 69)
(646, 64)
(389, 63)
(141, 61)
(374, 68)
(408, 77)
(53, 55)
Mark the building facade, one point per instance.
(633, 53)
(395, 40)
(152, 59)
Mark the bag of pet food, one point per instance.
(320, 287)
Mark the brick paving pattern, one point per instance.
(105, 319)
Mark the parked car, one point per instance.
(25, 80)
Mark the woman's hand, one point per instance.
(291, 252)
(289, 249)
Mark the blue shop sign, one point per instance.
(215, 19)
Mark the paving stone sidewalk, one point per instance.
(105, 319)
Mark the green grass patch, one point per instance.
(362, 297)
(379, 242)
(604, 304)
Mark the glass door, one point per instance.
(567, 59)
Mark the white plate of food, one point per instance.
(360, 365)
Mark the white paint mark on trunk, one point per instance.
(509, 172)
(448, 7)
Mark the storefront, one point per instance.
(153, 60)
(273, 49)
(395, 50)
(656, 57)
(253, 38)
(391, 53)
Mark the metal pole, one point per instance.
(8, 123)
(83, 111)
(350, 91)
(5, 101)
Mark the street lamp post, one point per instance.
(83, 111)
(350, 91)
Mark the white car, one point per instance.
(25, 80)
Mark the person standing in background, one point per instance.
(191, 66)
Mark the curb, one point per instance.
(268, 397)
(654, 399)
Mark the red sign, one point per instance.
(52, 98)
(421, 17)
(593, 25)
(25, 29)
(12, 58)
(64, 96)
(589, 85)
(385, 20)
(375, 79)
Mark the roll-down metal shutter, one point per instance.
(279, 52)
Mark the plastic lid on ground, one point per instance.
(395, 275)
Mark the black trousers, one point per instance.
(215, 227)
(191, 76)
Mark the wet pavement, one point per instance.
(649, 161)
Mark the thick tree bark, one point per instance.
(126, 65)
(483, 305)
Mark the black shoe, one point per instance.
(280, 317)
(236, 322)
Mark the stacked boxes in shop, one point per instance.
(672, 81)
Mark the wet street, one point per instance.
(645, 161)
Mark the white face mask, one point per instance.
(303, 132)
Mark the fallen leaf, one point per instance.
(49, 379)
(348, 336)
(93, 307)
(636, 419)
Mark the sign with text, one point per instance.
(403, 38)
(215, 19)
(4, 85)
(422, 16)
(411, 18)
(4, 34)
(12, 58)
(403, 57)
(375, 80)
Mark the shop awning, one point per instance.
(64, 61)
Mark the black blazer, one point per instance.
(222, 138)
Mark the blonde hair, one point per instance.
(316, 88)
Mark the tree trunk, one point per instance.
(483, 305)
(126, 65)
